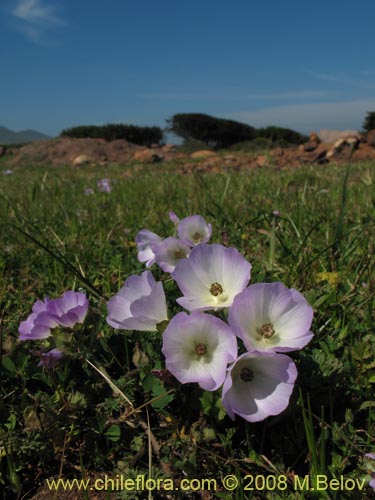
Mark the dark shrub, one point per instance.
(214, 132)
(143, 136)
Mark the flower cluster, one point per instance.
(191, 231)
(199, 347)
(256, 376)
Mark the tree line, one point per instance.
(216, 133)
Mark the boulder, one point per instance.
(168, 148)
(334, 135)
(341, 144)
(364, 152)
(81, 160)
(146, 156)
(203, 153)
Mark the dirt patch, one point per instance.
(79, 152)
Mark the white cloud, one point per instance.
(34, 17)
(33, 11)
(343, 79)
(308, 117)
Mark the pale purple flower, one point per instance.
(139, 305)
(371, 472)
(8, 171)
(51, 358)
(69, 309)
(145, 240)
(271, 317)
(88, 191)
(211, 277)
(173, 218)
(104, 185)
(198, 348)
(258, 385)
(168, 252)
(39, 323)
(66, 311)
(194, 230)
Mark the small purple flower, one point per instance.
(139, 305)
(211, 277)
(51, 358)
(198, 348)
(88, 191)
(104, 185)
(271, 317)
(69, 309)
(194, 230)
(258, 385)
(8, 171)
(39, 323)
(168, 252)
(145, 241)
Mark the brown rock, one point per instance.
(203, 153)
(261, 160)
(81, 160)
(310, 146)
(370, 137)
(364, 152)
(314, 137)
(168, 148)
(312, 143)
(146, 156)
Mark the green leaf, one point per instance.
(9, 365)
(113, 433)
(367, 404)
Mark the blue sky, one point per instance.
(303, 65)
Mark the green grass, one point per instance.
(53, 238)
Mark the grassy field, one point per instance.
(311, 228)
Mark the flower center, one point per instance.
(197, 237)
(267, 330)
(216, 289)
(200, 349)
(246, 374)
(179, 254)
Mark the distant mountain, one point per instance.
(7, 136)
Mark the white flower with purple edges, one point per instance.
(145, 241)
(211, 277)
(139, 305)
(270, 317)
(258, 385)
(168, 252)
(194, 230)
(198, 348)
